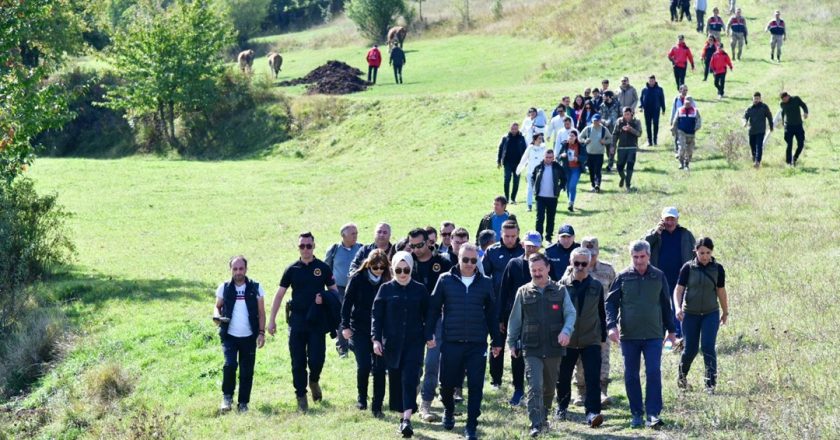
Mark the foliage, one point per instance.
(289, 15)
(374, 17)
(497, 9)
(170, 60)
(36, 36)
(246, 16)
(463, 9)
(29, 350)
(109, 383)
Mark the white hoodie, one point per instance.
(532, 157)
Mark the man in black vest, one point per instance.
(540, 326)
(240, 314)
(467, 301)
(307, 278)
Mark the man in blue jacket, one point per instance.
(467, 301)
(652, 105)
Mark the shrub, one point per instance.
(374, 17)
(30, 349)
(316, 112)
(109, 382)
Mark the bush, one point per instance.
(95, 130)
(246, 16)
(33, 240)
(30, 349)
(109, 383)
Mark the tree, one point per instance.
(246, 16)
(36, 36)
(463, 8)
(374, 17)
(170, 58)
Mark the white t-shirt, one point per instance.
(468, 280)
(239, 325)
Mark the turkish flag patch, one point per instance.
(555, 307)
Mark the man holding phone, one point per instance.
(240, 315)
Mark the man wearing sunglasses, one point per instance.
(462, 296)
(428, 267)
(558, 253)
(381, 240)
(460, 237)
(307, 277)
(446, 229)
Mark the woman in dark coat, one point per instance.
(399, 313)
(355, 323)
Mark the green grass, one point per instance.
(154, 237)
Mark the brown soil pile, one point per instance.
(332, 78)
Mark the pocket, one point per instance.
(555, 333)
(531, 336)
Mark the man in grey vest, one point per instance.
(338, 258)
(638, 314)
(540, 326)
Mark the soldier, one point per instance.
(715, 24)
(738, 28)
(307, 277)
(541, 323)
(776, 27)
(686, 123)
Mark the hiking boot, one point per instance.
(516, 399)
(458, 395)
(605, 397)
(426, 413)
(242, 408)
(405, 428)
(636, 421)
(317, 395)
(448, 420)
(655, 422)
(594, 420)
(302, 404)
(227, 402)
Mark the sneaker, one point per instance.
(302, 404)
(242, 408)
(578, 401)
(710, 390)
(655, 422)
(757, 165)
(342, 353)
(720, 97)
(535, 431)
(361, 404)
(405, 428)
(598, 189)
(529, 208)
(621, 183)
(377, 414)
(426, 412)
(516, 399)
(571, 207)
(561, 414)
(470, 434)
(637, 421)
(605, 399)
(317, 395)
(458, 395)
(227, 402)
(496, 386)
(448, 420)
(513, 202)
(594, 420)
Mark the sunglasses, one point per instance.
(377, 268)
(466, 260)
(581, 263)
(445, 234)
(400, 271)
(417, 245)
(306, 246)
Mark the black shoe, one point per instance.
(469, 434)
(448, 420)
(405, 428)
(598, 189)
(317, 395)
(561, 414)
(242, 408)
(377, 414)
(621, 183)
(535, 431)
(655, 422)
(571, 207)
(361, 404)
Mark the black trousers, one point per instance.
(372, 70)
(546, 211)
(510, 175)
(679, 75)
(242, 353)
(306, 348)
(403, 381)
(700, 16)
(794, 131)
(757, 146)
(652, 126)
(706, 65)
(685, 9)
(595, 163)
(517, 368)
(674, 6)
(458, 359)
(398, 74)
(720, 82)
(626, 158)
(340, 343)
(591, 358)
(367, 363)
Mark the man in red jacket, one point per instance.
(680, 56)
(374, 59)
(720, 61)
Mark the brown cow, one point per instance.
(246, 60)
(396, 36)
(274, 63)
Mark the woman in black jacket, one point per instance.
(355, 323)
(399, 313)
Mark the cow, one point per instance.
(275, 61)
(396, 36)
(246, 60)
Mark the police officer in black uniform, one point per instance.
(307, 277)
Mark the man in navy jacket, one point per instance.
(652, 104)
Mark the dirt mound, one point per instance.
(332, 78)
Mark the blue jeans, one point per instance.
(530, 189)
(632, 350)
(241, 353)
(431, 367)
(572, 179)
(701, 330)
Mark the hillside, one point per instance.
(154, 235)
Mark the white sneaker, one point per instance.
(227, 402)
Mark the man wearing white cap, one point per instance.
(671, 246)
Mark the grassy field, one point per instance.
(154, 235)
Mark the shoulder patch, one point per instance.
(317, 272)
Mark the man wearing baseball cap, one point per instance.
(671, 246)
(516, 275)
(596, 137)
(558, 253)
